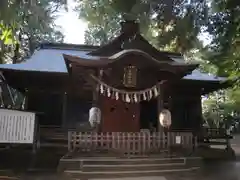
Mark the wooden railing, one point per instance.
(127, 142)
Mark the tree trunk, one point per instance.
(16, 54)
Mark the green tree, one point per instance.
(24, 24)
(224, 27)
(220, 111)
(167, 24)
(224, 50)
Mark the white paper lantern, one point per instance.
(94, 116)
(165, 118)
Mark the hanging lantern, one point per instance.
(165, 118)
(130, 76)
(94, 116)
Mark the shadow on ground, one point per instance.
(20, 163)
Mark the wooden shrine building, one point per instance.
(128, 79)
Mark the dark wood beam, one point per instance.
(160, 104)
(64, 109)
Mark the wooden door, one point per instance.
(118, 116)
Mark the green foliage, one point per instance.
(24, 24)
(224, 50)
(6, 34)
(167, 24)
(220, 110)
(224, 26)
(103, 20)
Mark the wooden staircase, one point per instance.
(110, 167)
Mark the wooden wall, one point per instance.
(184, 104)
(51, 107)
(186, 110)
(118, 116)
(48, 105)
(77, 111)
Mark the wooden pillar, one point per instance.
(200, 110)
(96, 89)
(64, 110)
(26, 99)
(198, 116)
(95, 96)
(160, 102)
(95, 101)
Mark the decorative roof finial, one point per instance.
(129, 26)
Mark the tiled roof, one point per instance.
(49, 58)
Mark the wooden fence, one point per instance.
(214, 136)
(127, 142)
(215, 133)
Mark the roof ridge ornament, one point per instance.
(130, 27)
(127, 43)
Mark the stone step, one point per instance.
(116, 161)
(130, 167)
(53, 144)
(104, 164)
(113, 174)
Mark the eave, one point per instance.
(146, 61)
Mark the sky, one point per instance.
(72, 27)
